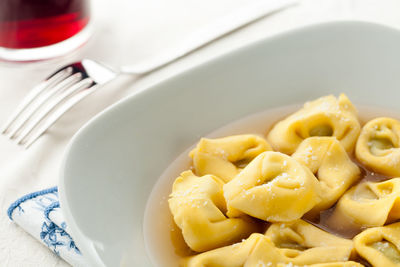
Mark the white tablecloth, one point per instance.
(131, 32)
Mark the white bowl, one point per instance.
(112, 163)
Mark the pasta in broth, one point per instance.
(242, 202)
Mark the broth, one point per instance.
(345, 228)
(163, 239)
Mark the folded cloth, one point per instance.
(39, 214)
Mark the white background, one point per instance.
(128, 32)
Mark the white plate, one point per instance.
(112, 163)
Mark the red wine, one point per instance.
(37, 23)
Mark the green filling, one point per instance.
(381, 143)
(388, 249)
(364, 192)
(321, 130)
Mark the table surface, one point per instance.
(128, 32)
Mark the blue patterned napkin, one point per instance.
(39, 214)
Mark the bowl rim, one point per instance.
(85, 245)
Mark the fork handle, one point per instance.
(213, 31)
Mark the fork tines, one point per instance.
(46, 103)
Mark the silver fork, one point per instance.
(50, 99)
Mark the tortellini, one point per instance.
(235, 255)
(380, 246)
(334, 169)
(378, 146)
(371, 204)
(225, 157)
(245, 205)
(306, 244)
(273, 187)
(331, 264)
(197, 205)
(326, 116)
(297, 244)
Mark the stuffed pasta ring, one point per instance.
(326, 116)
(380, 246)
(378, 146)
(273, 187)
(198, 206)
(225, 157)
